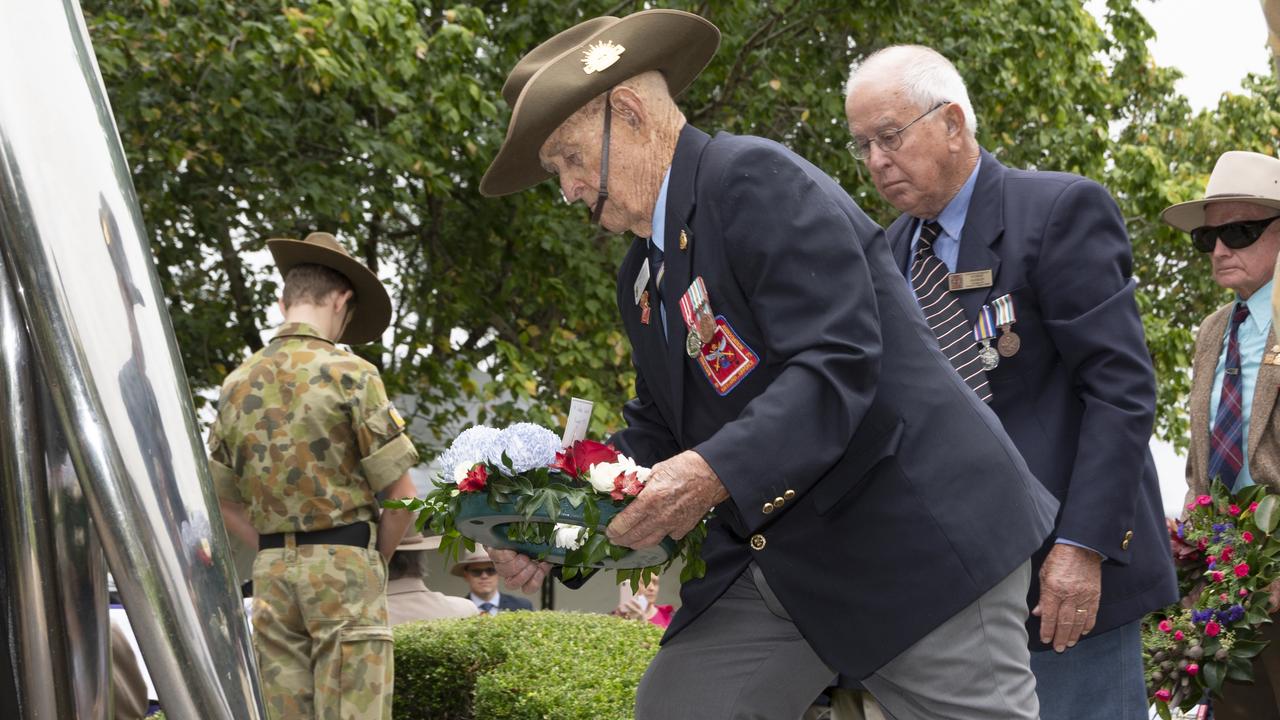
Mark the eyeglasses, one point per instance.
(482, 572)
(886, 140)
(1236, 235)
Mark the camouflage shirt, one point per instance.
(305, 435)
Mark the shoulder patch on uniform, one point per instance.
(396, 420)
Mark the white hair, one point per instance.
(924, 75)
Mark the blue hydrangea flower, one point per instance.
(472, 445)
(527, 446)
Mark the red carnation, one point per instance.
(626, 485)
(1165, 626)
(1204, 500)
(1253, 507)
(1211, 629)
(1217, 576)
(577, 459)
(1241, 570)
(1192, 669)
(1226, 554)
(1246, 536)
(475, 480)
(1233, 509)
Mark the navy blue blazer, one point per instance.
(1079, 397)
(877, 494)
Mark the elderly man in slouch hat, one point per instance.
(786, 377)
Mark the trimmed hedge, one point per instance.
(522, 666)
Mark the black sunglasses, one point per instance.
(1236, 235)
(481, 572)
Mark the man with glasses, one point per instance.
(1235, 373)
(477, 569)
(1024, 278)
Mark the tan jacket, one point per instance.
(1261, 447)
(408, 600)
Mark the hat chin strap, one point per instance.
(604, 161)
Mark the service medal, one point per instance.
(706, 324)
(692, 344)
(1009, 343)
(983, 331)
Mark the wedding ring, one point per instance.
(1079, 610)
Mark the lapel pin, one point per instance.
(684, 240)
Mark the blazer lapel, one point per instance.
(1264, 397)
(679, 263)
(983, 225)
(899, 234)
(650, 349)
(1203, 368)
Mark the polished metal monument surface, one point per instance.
(94, 390)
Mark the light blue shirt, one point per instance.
(657, 239)
(493, 611)
(1252, 337)
(951, 219)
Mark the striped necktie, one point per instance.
(943, 312)
(1226, 443)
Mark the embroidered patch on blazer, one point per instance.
(726, 360)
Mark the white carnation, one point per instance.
(602, 475)
(567, 537)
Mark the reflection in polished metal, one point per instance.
(81, 573)
(24, 511)
(77, 254)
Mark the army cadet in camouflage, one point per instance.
(304, 442)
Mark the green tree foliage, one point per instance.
(254, 119)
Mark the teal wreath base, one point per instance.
(488, 526)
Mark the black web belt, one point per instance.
(356, 534)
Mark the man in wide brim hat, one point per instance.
(371, 307)
(764, 314)
(1235, 375)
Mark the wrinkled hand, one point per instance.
(1070, 586)
(520, 572)
(677, 495)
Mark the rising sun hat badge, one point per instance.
(600, 56)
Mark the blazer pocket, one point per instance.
(863, 456)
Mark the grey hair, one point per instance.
(924, 74)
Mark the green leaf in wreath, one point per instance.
(1268, 514)
(1257, 613)
(1247, 648)
(1240, 669)
(1214, 675)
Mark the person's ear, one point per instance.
(628, 106)
(342, 301)
(954, 117)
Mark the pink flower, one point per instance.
(1165, 626)
(1204, 500)
(1191, 505)
(1192, 669)
(1241, 570)
(1202, 545)
(1246, 536)
(1224, 597)
(1253, 507)
(1163, 695)
(1226, 554)
(1233, 509)
(1216, 575)
(475, 480)
(1211, 629)
(1210, 558)
(1178, 635)
(1244, 592)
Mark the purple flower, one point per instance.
(1219, 527)
(1181, 527)
(1213, 564)
(1201, 616)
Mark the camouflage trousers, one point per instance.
(320, 632)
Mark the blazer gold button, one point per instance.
(768, 508)
(757, 542)
(790, 494)
(779, 501)
(1127, 537)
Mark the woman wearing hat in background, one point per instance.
(408, 598)
(304, 442)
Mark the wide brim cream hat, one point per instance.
(418, 541)
(470, 557)
(1238, 176)
(373, 304)
(563, 74)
